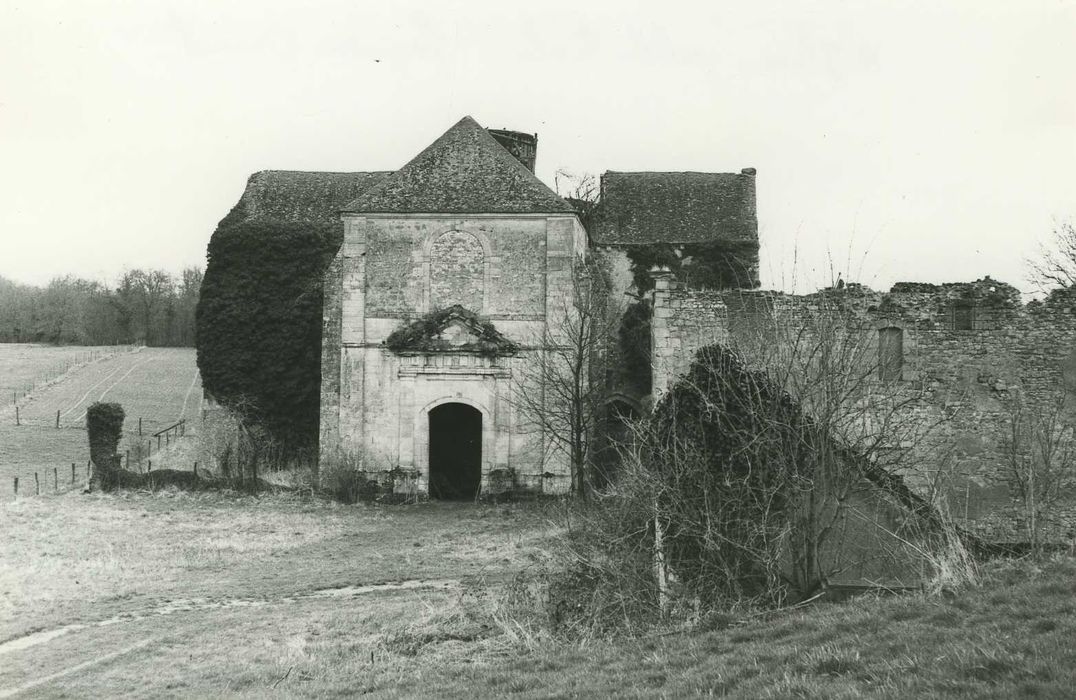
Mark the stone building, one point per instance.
(453, 276)
(464, 255)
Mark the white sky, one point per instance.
(927, 141)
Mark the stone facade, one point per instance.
(963, 354)
(466, 227)
(515, 271)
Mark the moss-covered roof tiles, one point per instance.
(676, 207)
(464, 171)
(290, 195)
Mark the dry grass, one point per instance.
(85, 559)
(74, 555)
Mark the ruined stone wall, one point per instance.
(962, 372)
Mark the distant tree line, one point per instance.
(150, 307)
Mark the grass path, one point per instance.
(180, 595)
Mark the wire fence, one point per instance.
(136, 457)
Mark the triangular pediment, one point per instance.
(463, 171)
(453, 329)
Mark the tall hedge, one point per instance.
(259, 323)
(104, 427)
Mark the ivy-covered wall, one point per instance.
(259, 322)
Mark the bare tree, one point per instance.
(561, 391)
(1055, 264)
(581, 190)
(1039, 452)
(776, 458)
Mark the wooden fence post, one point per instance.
(17, 416)
(37, 485)
(57, 418)
(72, 472)
(55, 479)
(149, 468)
(196, 469)
(16, 487)
(140, 426)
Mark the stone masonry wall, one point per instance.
(963, 372)
(515, 271)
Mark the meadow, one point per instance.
(157, 385)
(197, 595)
(176, 594)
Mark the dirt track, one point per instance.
(138, 595)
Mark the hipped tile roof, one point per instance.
(465, 171)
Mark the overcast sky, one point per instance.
(927, 141)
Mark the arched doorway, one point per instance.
(455, 452)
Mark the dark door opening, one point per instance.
(614, 438)
(455, 452)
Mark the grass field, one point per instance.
(158, 385)
(178, 595)
(26, 366)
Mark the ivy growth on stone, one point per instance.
(706, 265)
(423, 334)
(104, 427)
(259, 322)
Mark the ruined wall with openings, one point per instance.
(963, 355)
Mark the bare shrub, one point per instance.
(747, 486)
(1039, 462)
(343, 476)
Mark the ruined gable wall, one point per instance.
(969, 378)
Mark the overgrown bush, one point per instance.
(259, 323)
(769, 468)
(104, 427)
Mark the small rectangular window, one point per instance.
(963, 317)
(890, 353)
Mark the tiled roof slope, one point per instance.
(676, 208)
(290, 195)
(464, 171)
